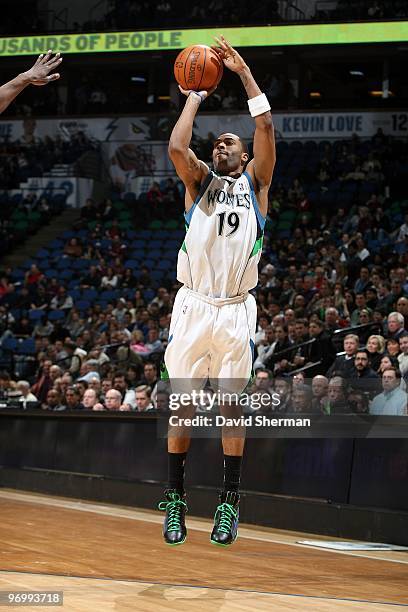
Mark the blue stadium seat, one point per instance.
(109, 294)
(65, 274)
(149, 263)
(139, 244)
(137, 254)
(9, 344)
(148, 295)
(56, 244)
(155, 244)
(51, 272)
(83, 304)
(89, 294)
(17, 275)
(68, 234)
(131, 263)
(63, 263)
(35, 315)
(42, 254)
(80, 264)
(57, 315)
(26, 347)
(75, 294)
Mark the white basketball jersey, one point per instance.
(220, 254)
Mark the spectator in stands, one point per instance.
(361, 304)
(23, 386)
(357, 402)
(53, 401)
(137, 343)
(33, 276)
(321, 351)
(375, 348)
(363, 282)
(336, 401)
(43, 328)
(113, 401)
(402, 234)
(362, 376)
(62, 301)
(92, 279)
(110, 280)
(320, 385)
(402, 308)
(403, 356)
(396, 329)
(89, 211)
(331, 318)
(392, 401)
(154, 344)
(281, 345)
(73, 398)
(143, 398)
(393, 347)
(23, 328)
(73, 248)
(89, 399)
(55, 372)
(128, 396)
(301, 398)
(396, 290)
(43, 381)
(385, 299)
(283, 389)
(387, 362)
(150, 376)
(263, 380)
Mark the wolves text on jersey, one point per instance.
(219, 196)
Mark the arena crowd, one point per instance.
(86, 324)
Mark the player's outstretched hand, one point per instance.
(229, 55)
(39, 74)
(203, 94)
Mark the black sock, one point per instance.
(176, 463)
(232, 472)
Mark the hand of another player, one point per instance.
(229, 55)
(39, 74)
(203, 94)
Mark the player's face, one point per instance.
(228, 155)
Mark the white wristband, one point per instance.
(197, 94)
(258, 105)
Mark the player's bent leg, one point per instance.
(225, 530)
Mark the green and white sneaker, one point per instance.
(174, 527)
(225, 530)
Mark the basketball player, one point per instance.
(39, 74)
(214, 317)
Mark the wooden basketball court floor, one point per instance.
(105, 557)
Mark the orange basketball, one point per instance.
(198, 68)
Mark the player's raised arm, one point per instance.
(39, 74)
(191, 170)
(264, 139)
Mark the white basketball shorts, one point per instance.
(212, 338)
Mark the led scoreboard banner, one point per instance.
(265, 36)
